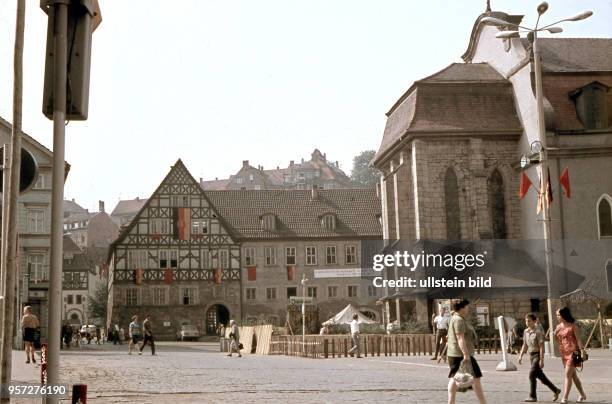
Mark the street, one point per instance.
(198, 373)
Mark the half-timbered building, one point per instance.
(175, 260)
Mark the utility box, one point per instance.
(83, 17)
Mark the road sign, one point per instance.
(29, 171)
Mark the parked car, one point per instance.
(188, 332)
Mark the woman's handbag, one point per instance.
(240, 346)
(578, 359)
(464, 378)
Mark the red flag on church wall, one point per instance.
(290, 272)
(565, 182)
(252, 273)
(525, 185)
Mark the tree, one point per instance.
(98, 302)
(362, 174)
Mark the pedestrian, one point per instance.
(134, 334)
(117, 337)
(355, 336)
(121, 335)
(533, 343)
(67, 334)
(324, 329)
(98, 335)
(29, 325)
(568, 337)
(235, 339)
(460, 347)
(148, 335)
(440, 326)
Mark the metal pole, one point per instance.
(9, 253)
(5, 180)
(57, 191)
(303, 314)
(544, 178)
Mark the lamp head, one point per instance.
(495, 21)
(554, 30)
(580, 16)
(542, 8)
(507, 34)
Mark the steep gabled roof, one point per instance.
(298, 214)
(128, 206)
(461, 98)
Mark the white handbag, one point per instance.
(464, 378)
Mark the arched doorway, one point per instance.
(216, 314)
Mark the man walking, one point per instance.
(440, 326)
(355, 335)
(148, 335)
(134, 334)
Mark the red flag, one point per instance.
(565, 182)
(181, 223)
(252, 273)
(525, 185)
(138, 276)
(290, 272)
(218, 276)
(168, 276)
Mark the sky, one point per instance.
(216, 82)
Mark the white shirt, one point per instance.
(441, 322)
(354, 327)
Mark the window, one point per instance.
(352, 291)
(604, 216)
(497, 205)
(482, 315)
(251, 177)
(270, 256)
(160, 226)
(206, 259)
(372, 291)
(239, 180)
(188, 296)
(131, 297)
(311, 255)
(41, 182)
(290, 255)
(330, 255)
(79, 299)
(38, 268)
(137, 259)
(592, 105)
(224, 258)
(329, 221)
(332, 292)
(36, 220)
(70, 299)
(199, 227)
(451, 200)
(271, 293)
(159, 296)
(249, 256)
(311, 291)
(350, 256)
(257, 187)
(291, 291)
(268, 222)
(168, 259)
(251, 294)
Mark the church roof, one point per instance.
(297, 214)
(463, 97)
(573, 55)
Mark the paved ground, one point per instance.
(198, 373)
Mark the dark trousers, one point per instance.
(535, 373)
(440, 341)
(148, 338)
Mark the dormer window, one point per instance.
(328, 221)
(268, 222)
(592, 105)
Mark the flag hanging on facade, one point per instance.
(218, 276)
(525, 185)
(252, 273)
(168, 276)
(564, 181)
(138, 276)
(181, 223)
(290, 272)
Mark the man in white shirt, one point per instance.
(440, 326)
(355, 335)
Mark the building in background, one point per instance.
(34, 215)
(450, 161)
(96, 229)
(126, 210)
(200, 257)
(316, 171)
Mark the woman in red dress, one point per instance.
(568, 337)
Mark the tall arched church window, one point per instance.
(498, 205)
(451, 204)
(604, 216)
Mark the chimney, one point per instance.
(137, 198)
(101, 206)
(315, 193)
(245, 163)
(291, 163)
(201, 180)
(325, 156)
(72, 199)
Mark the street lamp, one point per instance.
(540, 146)
(304, 280)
